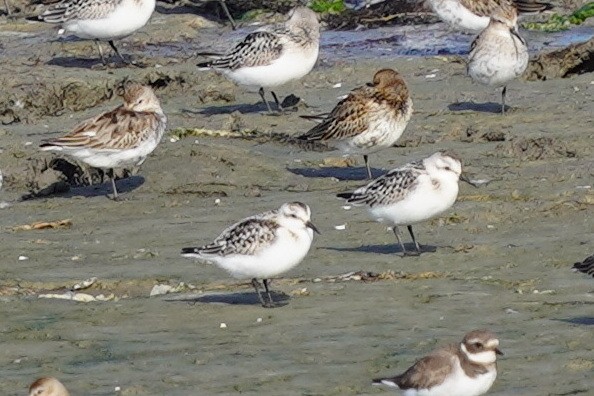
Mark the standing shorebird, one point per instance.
(466, 369)
(100, 20)
(47, 386)
(372, 117)
(411, 194)
(498, 54)
(261, 246)
(122, 137)
(473, 15)
(587, 266)
(272, 56)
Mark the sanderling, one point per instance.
(467, 369)
(587, 266)
(413, 193)
(498, 54)
(122, 137)
(100, 20)
(474, 15)
(272, 56)
(261, 246)
(372, 117)
(47, 386)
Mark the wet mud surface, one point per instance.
(499, 259)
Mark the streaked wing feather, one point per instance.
(257, 49)
(78, 9)
(389, 188)
(246, 237)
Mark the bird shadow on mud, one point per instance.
(113, 62)
(240, 298)
(63, 190)
(340, 173)
(487, 107)
(579, 320)
(393, 248)
(242, 108)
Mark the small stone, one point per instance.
(223, 326)
(158, 290)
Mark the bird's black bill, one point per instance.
(465, 179)
(309, 224)
(498, 351)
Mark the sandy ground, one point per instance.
(501, 260)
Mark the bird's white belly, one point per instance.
(382, 133)
(287, 251)
(423, 204)
(459, 385)
(458, 16)
(123, 21)
(290, 66)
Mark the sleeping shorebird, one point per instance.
(465, 369)
(369, 119)
(272, 56)
(261, 246)
(498, 54)
(47, 386)
(122, 137)
(473, 15)
(100, 20)
(411, 194)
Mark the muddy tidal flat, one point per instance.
(499, 259)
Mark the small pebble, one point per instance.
(259, 320)
(217, 201)
(347, 207)
(340, 227)
(223, 326)
(23, 258)
(337, 85)
(117, 389)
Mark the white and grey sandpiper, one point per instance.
(498, 54)
(411, 194)
(473, 15)
(261, 246)
(272, 56)
(369, 119)
(465, 369)
(100, 20)
(47, 386)
(119, 138)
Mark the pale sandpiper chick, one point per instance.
(119, 138)
(465, 369)
(474, 15)
(411, 194)
(498, 54)
(369, 119)
(261, 246)
(100, 20)
(47, 386)
(586, 266)
(272, 56)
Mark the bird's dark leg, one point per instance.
(111, 175)
(228, 14)
(266, 282)
(256, 285)
(412, 235)
(261, 92)
(366, 159)
(8, 12)
(278, 103)
(397, 233)
(112, 45)
(503, 92)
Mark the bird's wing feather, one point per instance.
(257, 49)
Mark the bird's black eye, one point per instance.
(478, 345)
(448, 168)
